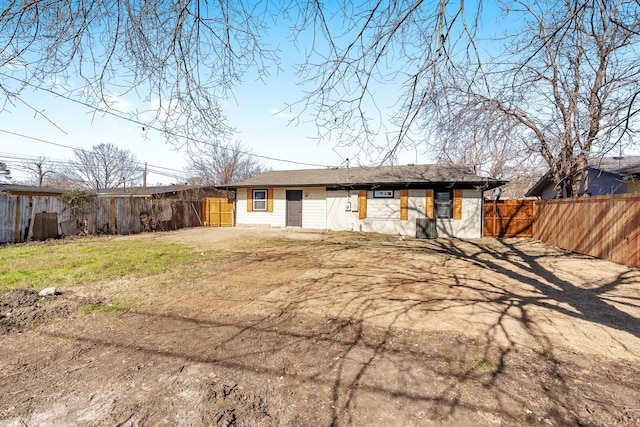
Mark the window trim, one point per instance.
(255, 200)
(383, 194)
(437, 204)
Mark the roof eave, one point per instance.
(536, 190)
(486, 184)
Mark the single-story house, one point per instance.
(607, 175)
(411, 200)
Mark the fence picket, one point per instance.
(122, 215)
(605, 227)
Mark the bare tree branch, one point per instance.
(40, 168)
(105, 166)
(217, 164)
(179, 55)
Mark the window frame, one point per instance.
(384, 194)
(438, 204)
(255, 200)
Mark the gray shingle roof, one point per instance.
(369, 176)
(627, 165)
(151, 191)
(30, 189)
(621, 166)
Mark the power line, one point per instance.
(121, 115)
(72, 148)
(153, 169)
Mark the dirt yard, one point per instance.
(292, 328)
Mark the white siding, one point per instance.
(383, 208)
(342, 210)
(470, 226)
(314, 212)
(274, 219)
(338, 210)
(383, 215)
(314, 207)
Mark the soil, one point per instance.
(296, 328)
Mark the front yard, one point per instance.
(269, 327)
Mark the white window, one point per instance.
(259, 200)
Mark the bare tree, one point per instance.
(183, 54)
(104, 166)
(5, 173)
(489, 145)
(565, 86)
(40, 168)
(219, 164)
(188, 54)
(360, 49)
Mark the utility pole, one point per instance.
(144, 176)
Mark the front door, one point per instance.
(294, 208)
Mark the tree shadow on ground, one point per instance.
(587, 303)
(345, 333)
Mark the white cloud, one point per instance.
(114, 102)
(167, 110)
(61, 85)
(281, 114)
(14, 64)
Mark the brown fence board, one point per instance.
(508, 218)
(605, 227)
(217, 212)
(45, 226)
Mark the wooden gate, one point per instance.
(217, 212)
(508, 218)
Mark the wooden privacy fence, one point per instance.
(25, 218)
(606, 227)
(217, 212)
(130, 215)
(508, 218)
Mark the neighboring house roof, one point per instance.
(623, 166)
(367, 177)
(151, 191)
(31, 190)
(627, 167)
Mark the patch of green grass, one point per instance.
(110, 308)
(65, 264)
(482, 363)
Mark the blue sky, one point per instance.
(257, 111)
(253, 113)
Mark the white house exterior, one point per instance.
(389, 200)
